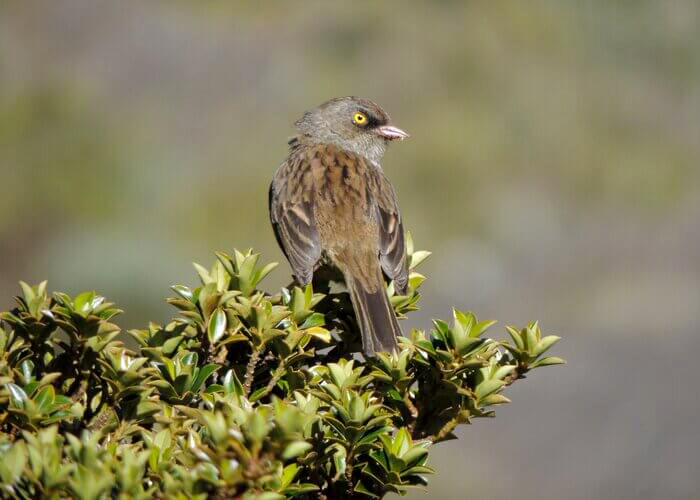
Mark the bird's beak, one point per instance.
(390, 132)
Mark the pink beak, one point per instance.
(390, 132)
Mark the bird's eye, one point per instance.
(359, 119)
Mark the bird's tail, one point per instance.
(375, 316)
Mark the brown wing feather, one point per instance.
(392, 247)
(292, 217)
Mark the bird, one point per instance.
(332, 206)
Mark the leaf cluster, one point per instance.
(242, 394)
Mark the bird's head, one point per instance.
(351, 123)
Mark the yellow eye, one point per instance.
(359, 119)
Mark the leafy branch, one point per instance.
(242, 394)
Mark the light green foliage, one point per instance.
(243, 394)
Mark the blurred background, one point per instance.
(553, 169)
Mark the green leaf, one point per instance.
(83, 303)
(494, 399)
(217, 326)
(203, 375)
(339, 460)
(487, 387)
(467, 344)
(337, 374)
(295, 449)
(517, 339)
(27, 368)
(162, 439)
(226, 262)
(417, 258)
(27, 291)
(231, 383)
(531, 338)
(415, 280)
(183, 291)
(270, 495)
(288, 475)
(258, 393)
(481, 327)
(203, 274)
(414, 455)
(17, 395)
(503, 371)
(315, 319)
(551, 360)
(260, 275)
(361, 488)
(300, 489)
(13, 463)
(45, 399)
(544, 344)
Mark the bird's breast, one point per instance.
(342, 200)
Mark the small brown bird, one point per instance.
(330, 204)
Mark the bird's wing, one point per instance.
(292, 217)
(392, 247)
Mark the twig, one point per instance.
(460, 418)
(412, 410)
(516, 374)
(348, 474)
(101, 420)
(276, 375)
(250, 371)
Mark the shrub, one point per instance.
(242, 395)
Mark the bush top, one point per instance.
(242, 395)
